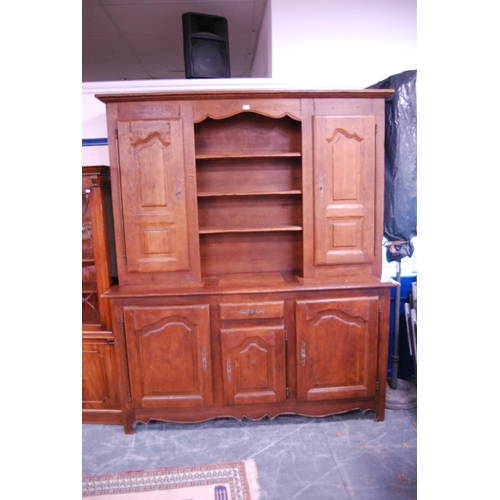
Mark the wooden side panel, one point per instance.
(344, 169)
(169, 355)
(153, 191)
(254, 364)
(337, 348)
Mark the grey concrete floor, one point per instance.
(348, 456)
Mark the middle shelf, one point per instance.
(259, 175)
(230, 213)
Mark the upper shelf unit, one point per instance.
(249, 188)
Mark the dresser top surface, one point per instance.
(245, 94)
(231, 284)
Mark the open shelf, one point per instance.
(249, 190)
(251, 252)
(248, 134)
(249, 176)
(229, 212)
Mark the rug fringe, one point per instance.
(252, 478)
(173, 481)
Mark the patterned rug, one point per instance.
(227, 481)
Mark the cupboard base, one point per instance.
(226, 352)
(251, 413)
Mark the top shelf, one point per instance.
(248, 135)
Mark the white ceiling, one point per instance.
(143, 39)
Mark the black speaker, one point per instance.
(206, 46)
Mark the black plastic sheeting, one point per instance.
(400, 200)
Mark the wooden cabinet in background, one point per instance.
(249, 230)
(100, 399)
(100, 395)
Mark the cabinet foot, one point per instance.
(128, 424)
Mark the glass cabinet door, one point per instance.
(98, 254)
(90, 304)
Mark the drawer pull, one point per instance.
(303, 353)
(252, 311)
(228, 369)
(204, 358)
(178, 192)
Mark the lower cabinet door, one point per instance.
(254, 364)
(337, 343)
(168, 350)
(99, 386)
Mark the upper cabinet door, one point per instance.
(153, 190)
(344, 194)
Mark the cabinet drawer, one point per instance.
(252, 310)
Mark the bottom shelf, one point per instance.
(251, 252)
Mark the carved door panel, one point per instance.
(254, 364)
(344, 171)
(337, 348)
(153, 192)
(99, 388)
(169, 355)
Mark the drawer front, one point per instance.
(252, 310)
